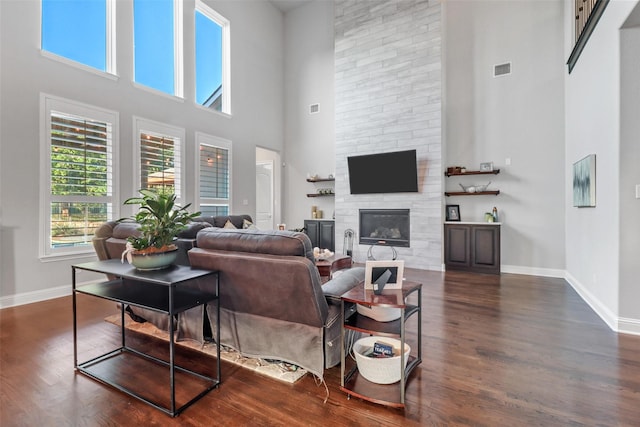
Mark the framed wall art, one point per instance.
(453, 213)
(486, 167)
(584, 182)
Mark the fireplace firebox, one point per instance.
(387, 227)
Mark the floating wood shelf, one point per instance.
(320, 195)
(493, 172)
(320, 179)
(464, 193)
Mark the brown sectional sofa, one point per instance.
(273, 304)
(111, 237)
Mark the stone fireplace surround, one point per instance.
(388, 88)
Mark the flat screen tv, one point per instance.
(394, 172)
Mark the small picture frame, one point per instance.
(453, 213)
(486, 167)
(374, 269)
(282, 227)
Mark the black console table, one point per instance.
(160, 291)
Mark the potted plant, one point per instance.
(160, 222)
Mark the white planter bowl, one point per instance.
(153, 260)
(381, 314)
(379, 370)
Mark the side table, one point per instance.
(326, 267)
(160, 291)
(350, 381)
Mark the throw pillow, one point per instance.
(248, 225)
(229, 224)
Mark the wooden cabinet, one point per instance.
(321, 232)
(472, 247)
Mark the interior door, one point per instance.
(264, 195)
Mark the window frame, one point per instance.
(110, 47)
(202, 138)
(142, 125)
(49, 104)
(223, 22)
(178, 53)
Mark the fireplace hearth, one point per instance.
(386, 227)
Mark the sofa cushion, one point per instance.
(343, 282)
(220, 221)
(270, 242)
(124, 229)
(192, 229)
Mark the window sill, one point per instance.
(220, 113)
(158, 92)
(67, 256)
(78, 65)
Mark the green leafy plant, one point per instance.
(160, 220)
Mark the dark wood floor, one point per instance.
(505, 350)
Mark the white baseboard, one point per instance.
(628, 326)
(532, 271)
(601, 310)
(34, 296)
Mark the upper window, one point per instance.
(158, 44)
(78, 146)
(160, 154)
(212, 59)
(80, 30)
(214, 174)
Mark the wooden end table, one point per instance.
(351, 382)
(328, 266)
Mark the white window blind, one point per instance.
(160, 163)
(80, 179)
(214, 164)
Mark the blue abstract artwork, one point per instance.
(584, 182)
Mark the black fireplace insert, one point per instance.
(386, 227)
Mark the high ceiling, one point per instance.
(287, 5)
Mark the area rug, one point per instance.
(281, 371)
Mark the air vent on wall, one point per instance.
(314, 108)
(502, 69)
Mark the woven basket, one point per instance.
(382, 370)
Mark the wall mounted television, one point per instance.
(392, 172)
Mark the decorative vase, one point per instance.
(147, 261)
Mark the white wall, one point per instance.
(629, 310)
(593, 126)
(309, 138)
(257, 57)
(518, 117)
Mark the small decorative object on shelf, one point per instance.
(486, 167)
(455, 170)
(478, 188)
(453, 213)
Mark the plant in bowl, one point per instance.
(160, 222)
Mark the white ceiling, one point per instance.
(287, 5)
